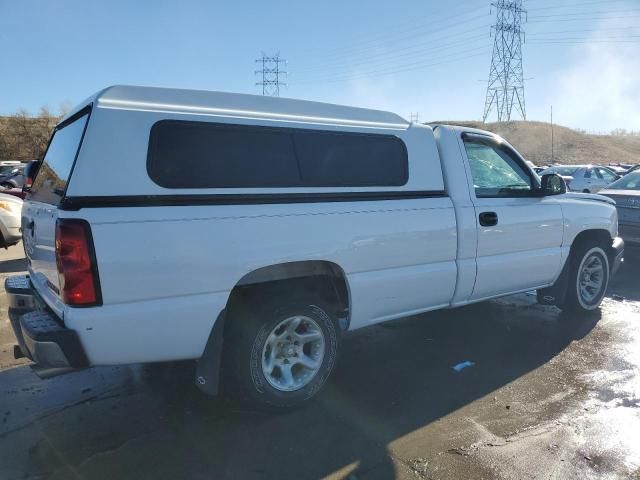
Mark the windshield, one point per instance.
(629, 182)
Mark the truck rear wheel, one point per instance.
(588, 278)
(280, 356)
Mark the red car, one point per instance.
(16, 192)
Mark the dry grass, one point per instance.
(533, 140)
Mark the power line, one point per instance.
(378, 63)
(384, 58)
(389, 34)
(578, 4)
(271, 73)
(556, 42)
(505, 88)
(582, 19)
(347, 53)
(590, 30)
(575, 14)
(617, 37)
(405, 68)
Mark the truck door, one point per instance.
(519, 232)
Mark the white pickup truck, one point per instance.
(250, 232)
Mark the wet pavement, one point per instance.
(549, 396)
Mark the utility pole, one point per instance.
(271, 74)
(415, 117)
(551, 133)
(505, 88)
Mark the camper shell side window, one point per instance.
(186, 154)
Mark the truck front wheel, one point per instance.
(281, 355)
(588, 278)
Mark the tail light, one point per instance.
(76, 262)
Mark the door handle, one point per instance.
(488, 219)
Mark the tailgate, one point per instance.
(40, 209)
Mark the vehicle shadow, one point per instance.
(625, 284)
(392, 379)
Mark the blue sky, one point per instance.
(406, 56)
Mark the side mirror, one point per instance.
(552, 184)
(30, 172)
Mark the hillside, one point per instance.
(533, 140)
(25, 137)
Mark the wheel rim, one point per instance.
(293, 353)
(591, 278)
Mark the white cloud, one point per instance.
(601, 89)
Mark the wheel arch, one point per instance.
(556, 293)
(599, 235)
(325, 276)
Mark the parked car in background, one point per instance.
(16, 192)
(617, 169)
(534, 167)
(10, 211)
(626, 193)
(11, 176)
(634, 168)
(584, 178)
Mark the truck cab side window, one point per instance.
(496, 173)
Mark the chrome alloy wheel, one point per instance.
(591, 278)
(293, 353)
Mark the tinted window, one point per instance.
(495, 172)
(51, 181)
(337, 159)
(208, 155)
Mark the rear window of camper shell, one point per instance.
(50, 183)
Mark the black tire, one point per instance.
(575, 300)
(7, 185)
(249, 327)
(586, 190)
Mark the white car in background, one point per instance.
(10, 209)
(584, 178)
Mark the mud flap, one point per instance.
(208, 366)
(556, 293)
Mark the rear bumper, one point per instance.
(617, 254)
(42, 337)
